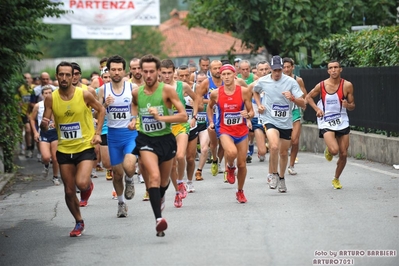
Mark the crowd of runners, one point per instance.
(164, 122)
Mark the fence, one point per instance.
(376, 92)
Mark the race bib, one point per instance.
(232, 118)
(201, 118)
(280, 110)
(119, 113)
(333, 120)
(150, 124)
(260, 121)
(70, 131)
(26, 99)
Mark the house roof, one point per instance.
(184, 42)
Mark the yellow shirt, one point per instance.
(24, 96)
(74, 123)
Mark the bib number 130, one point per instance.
(280, 113)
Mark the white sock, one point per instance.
(121, 198)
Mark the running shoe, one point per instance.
(336, 184)
(328, 155)
(240, 196)
(93, 173)
(29, 154)
(161, 226)
(296, 160)
(182, 189)
(56, 181)
(273, 182)
(129, 189)
(122, 210)
(231, 178)
(140, 178)
(198, 176)
(209, 159)
(249, 159)
(114, 196)
(220, 170)
(225, 177)
(146, 196)
(45, 171)
(214, 168)
(108, 175)
(99, 168)
(261, 158)
(282, 188)
(162, 203)
(39, 157)
(190, 187)
(85, 195)
(178, 200)
(269, 178)
(291, 170)
(78, 230)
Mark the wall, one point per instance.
(378, 148)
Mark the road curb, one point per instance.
(4, 179)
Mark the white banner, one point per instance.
(101, 32)
(108, 13)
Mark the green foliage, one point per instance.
(60, 44)
(145, 40)
(10, 130)
(284, 26)
(360, 156)
(20, 28)
(364, 48)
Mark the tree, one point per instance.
(284, 26)
(145, 40)
(22, 26)
(60, 44)
(166, 6)
(364, 48)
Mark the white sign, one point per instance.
(108, 13)
(101, 32)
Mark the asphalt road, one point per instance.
(304, 226)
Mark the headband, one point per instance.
(227, 67)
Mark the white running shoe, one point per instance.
(291, 170)
(56, 181)
(269, 178)
(190, 187)
(122, 210)
(273, 182)
(140, 178)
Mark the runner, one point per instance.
(336, 98)
(288, 69)
(48, 141)
(155, 144)
(121, 139)
(76, 138)
(231, 125)
(280, 94)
